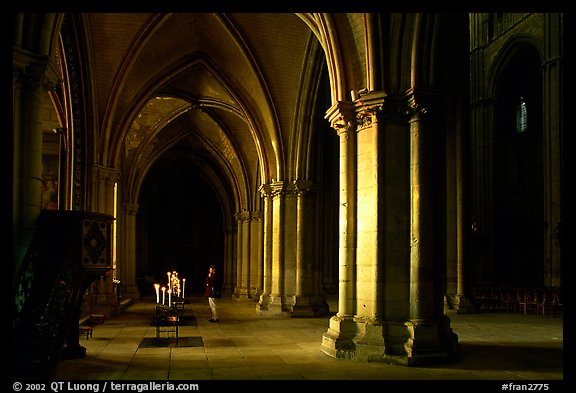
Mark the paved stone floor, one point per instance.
(244, 346)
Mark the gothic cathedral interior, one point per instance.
(405, 163)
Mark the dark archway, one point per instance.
(518, 178)
(327, 168)
(180, 225)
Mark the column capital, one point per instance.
(246, 215)
(368, 108)
(483, 102)
(108, 174)
(131, 208)
(277, 188)
(36, 71)
(302, 186)
(341, 116)
(266, 190)
(421, 102)
(377, 105)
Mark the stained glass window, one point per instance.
(521, 117)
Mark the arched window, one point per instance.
(521, 116)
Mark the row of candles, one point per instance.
(172, 287)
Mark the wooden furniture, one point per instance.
(529, 301)
(86, 330)
(551, 303)
(167, 322)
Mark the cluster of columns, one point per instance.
(291, 270)
(33, 77)
(390, 291)
(247, 268)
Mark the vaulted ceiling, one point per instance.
(221, 89)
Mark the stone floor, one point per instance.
(243, 346)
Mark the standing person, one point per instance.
(213, 291)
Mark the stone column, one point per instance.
(338, 340)
(462, 302)
(422, 224)
(280, 256)
(307, 299)
(370, 216)
(127, 263)
(481, 121)
(104, 180)
(243, 256)
(33, 77)
(229, 261)
(248, 255)
(255, 261)
(552, 71)
(430, 337)
(265, 298)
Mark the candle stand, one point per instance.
(167, 321)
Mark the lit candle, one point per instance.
(157, 287)
(183, 286)
(168, 273)
(163, 295)
(169, 298)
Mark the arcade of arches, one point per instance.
(398, 161)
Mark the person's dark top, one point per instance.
(212, 282)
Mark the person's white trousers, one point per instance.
(213, 307)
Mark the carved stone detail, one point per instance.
(341, 116)
(94, 243)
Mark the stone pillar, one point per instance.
(552, 71)
(482, 158)
(265, 298)
(393, 224)
(229, 261)
(369, 316)
(422, 224)
(127, 263)
(104, 180)
(430, 337)
(33, 77)
(248, 255)
(307, 299)
(276, 298)
(303, 269)
(462, 302)
(255, 261)
(482, 118)
(338, 341)
(243, 256)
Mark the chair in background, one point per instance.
(557, 303)
(529, 301)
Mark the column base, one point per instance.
(241, 292)
(464, 305)
(309, 306)
(272, 306)
(369, 339)
(338, 341)
(430, 342)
